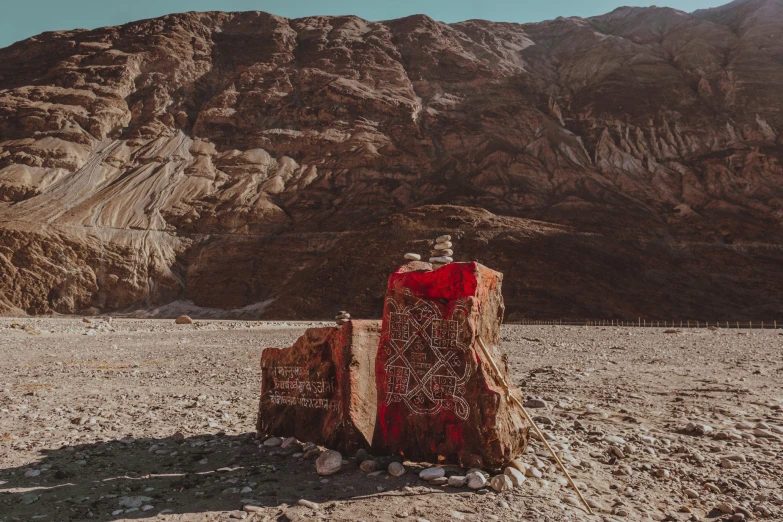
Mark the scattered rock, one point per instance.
(133, 502)
(290, 442)
(329, 462)
(368, 466)
(396, 469)
(431, 473)
(501, 483)
(457, 481)
(183, 319)
(272, 442)
(517, 477)
(476, 480)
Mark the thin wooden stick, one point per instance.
(509, 396)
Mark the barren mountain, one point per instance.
(619, 166)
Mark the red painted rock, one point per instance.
(438, 398)
(322, 389)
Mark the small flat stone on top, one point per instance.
(441, 260)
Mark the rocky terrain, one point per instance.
(246, 165)
(144, 419)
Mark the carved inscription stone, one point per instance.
(438, 398)
(322, 389)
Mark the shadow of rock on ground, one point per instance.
(205, 477)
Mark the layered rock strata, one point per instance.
(620, 166)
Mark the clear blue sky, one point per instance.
(20, 19)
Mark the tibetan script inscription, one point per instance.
(291, 387)
(426, 367)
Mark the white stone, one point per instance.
(273, 441)
(412, 257)
(456, 481)
(368, 466)
(516, 476)
(431, 473)
(476, 480)
(329, 462)
(442, 245)
(443, 238)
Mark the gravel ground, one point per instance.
(145, 420)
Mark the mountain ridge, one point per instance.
(238, 158)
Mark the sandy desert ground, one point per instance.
(145, 420)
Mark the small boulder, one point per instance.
(272, 442)
(183, 319)
(476, 480)
(517, 477)
(329, 462)
(432, 473)
(396, 469)
(501, 483)
(456, 481)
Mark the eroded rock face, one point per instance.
(322, 389)
(439, 400)
(232, 159)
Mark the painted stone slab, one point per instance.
(438, 399)
(322, 389)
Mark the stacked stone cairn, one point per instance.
(441, 252)
(342, 317)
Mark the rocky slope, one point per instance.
(618, 166)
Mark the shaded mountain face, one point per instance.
(619, 166)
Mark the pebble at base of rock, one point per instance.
(183, 319)
(329, 462)
(396, 469)
(476, 480)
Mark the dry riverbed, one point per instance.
(147, 420)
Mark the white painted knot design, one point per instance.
(426, 368)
